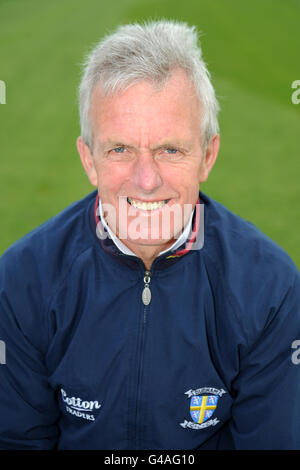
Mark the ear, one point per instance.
(210, 157)
(87, 160)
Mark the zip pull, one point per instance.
(146, 295)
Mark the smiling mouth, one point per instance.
(147, 206)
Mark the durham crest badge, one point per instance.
(203, 403)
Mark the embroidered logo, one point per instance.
(78, 407)
(203, 403)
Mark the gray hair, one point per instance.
(148, 51)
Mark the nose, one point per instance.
(146, 174)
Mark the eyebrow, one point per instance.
(182, 146)
(112, 143)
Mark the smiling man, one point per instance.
(147, 315)
(147, 151)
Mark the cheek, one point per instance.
(185, 182)
(113, 182)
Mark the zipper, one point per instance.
(146, 295)
(146, 299)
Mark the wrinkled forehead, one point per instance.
(173, 107)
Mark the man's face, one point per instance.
(147, 159)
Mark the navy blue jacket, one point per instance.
(207, 364)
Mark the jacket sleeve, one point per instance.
(266, 409)
(28, 408)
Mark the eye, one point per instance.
(119, 149)
(170, 154)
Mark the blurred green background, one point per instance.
(252, 51)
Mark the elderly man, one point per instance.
(147, 315)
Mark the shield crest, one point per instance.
(202, 407)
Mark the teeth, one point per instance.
(147, 206)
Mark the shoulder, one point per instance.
(253, 275)
(233, 243)
(33, 270)
(47, 251)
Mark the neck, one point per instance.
(147, 253)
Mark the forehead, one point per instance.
(145, 110)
